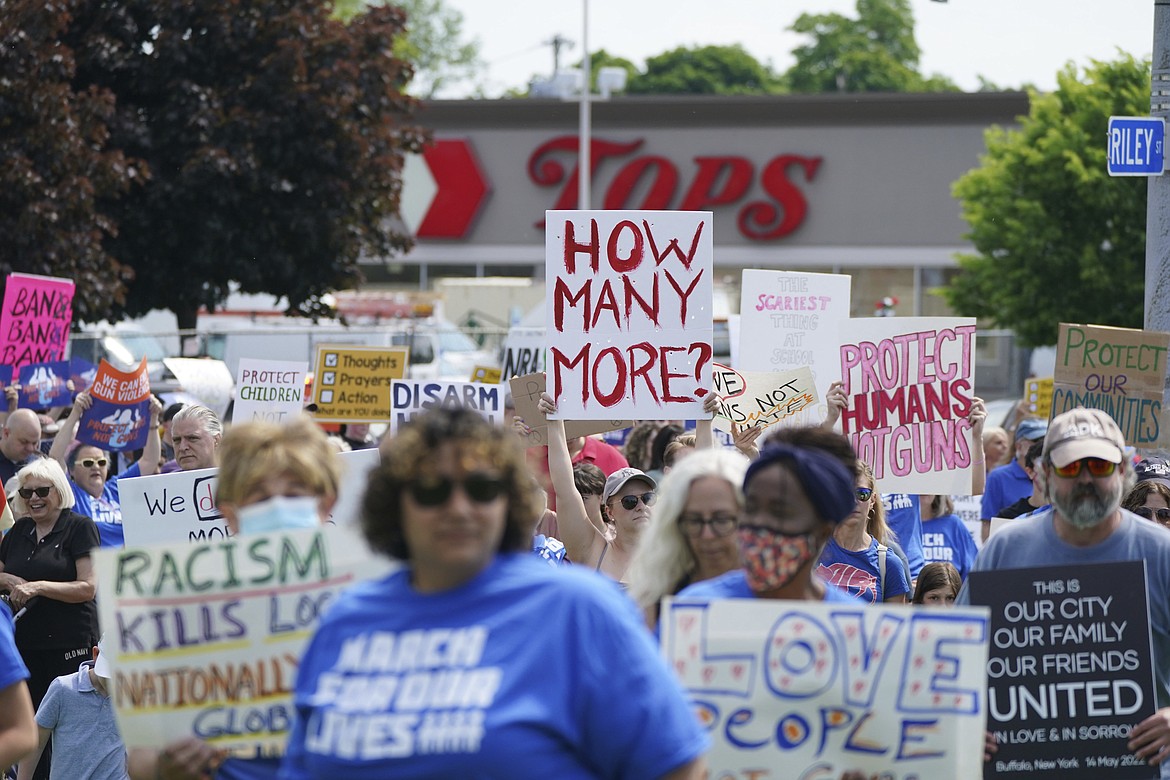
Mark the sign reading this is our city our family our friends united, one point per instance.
(809, 689)
(269, 390)
(629, 313)
(35, 320)
(352, 383)
(910, 382)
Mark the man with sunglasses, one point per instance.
(1085, 474)
(95, 493)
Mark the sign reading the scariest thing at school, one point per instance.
(628, 313)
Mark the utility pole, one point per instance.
(556, 42)
(1157, 303)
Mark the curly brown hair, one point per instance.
(412, 453)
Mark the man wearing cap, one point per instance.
(1008, 484)
(1085, 475)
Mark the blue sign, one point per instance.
(1136, 145)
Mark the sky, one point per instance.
(1009, 42)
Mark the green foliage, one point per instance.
(876, 52)
(704, 70)
(1057, 238)
(603, 59)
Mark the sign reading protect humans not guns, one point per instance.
(808, 690)
(204, 640)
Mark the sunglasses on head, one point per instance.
(629, 502)
(1098, 467)
(89, 463)
(863, 493)
(27, 493)
(1161, 515)
(479, 487)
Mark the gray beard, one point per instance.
(1087, 506)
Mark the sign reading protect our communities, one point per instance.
(351, 384)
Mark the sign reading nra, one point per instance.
(713, 181)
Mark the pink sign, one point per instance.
(34, 324)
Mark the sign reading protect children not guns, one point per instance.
(352, 384)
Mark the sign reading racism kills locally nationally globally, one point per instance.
(411, 397)
(35, 320)
(628, 315)
(1070, 669)
(204, 640)
(791, 319)
(753, 399)
(119, 417)
(909, 383)
(1118, 370)
(352, 383)
(811, 689)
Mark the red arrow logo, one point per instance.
(461, 189)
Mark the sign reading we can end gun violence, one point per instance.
(1117, 370)
(628, 312)
(909, 383)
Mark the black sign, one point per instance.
(1069, 669)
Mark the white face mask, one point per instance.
(279, 513)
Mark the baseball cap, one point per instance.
(1083, 433)
(617, 480)
(1153, 470)
(101, 667)
(1031, 428)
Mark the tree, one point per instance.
(432, 42)
(274, 136)
(603, 59)
(1056, 238)
(704, 70)
(57, 165)
(876, 52)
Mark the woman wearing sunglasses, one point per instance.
(46, 556)
(1150, 499)
(95, 492)
(858, 558)
(476, 659)
(692, 536)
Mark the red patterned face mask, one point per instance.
(771, 558)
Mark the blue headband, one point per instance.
(826, 481)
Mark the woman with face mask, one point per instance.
(271, 478)
(795, 494)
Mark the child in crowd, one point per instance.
(938, 585)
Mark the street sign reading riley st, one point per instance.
(1136, 145)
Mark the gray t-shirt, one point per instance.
(86, 742)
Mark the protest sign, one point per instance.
(355, 474)
(523, 352)
(1070, 669)
(1118, 370)
(1038, 396)
(411, 397)
(791, 319)
(119, 417)
(969, 509)
(34, 324)
(755, 399)
(5, 376)
(82, 372)
(171, 508)
(208, 380)
(526, 392)
(204, 640)
(352, 383)
(43, 385)
(810, 689)
(628, 313)
(489, 375)
(269, 390)
(909, 383)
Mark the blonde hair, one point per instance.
(664, 558)
(252, 452)
(875, 523)
(48, 470)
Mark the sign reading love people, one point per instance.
(35, 320)
(205, 640)
(1117, 370)
(909, 383)
(809, 689)
(628, 313)
(753, 399)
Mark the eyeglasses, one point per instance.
(479, 487)
(721, 525)
(27, 493)
(863, 493)
(1162, 515)
(89, 463)
(1097, 467)
(629, 502)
